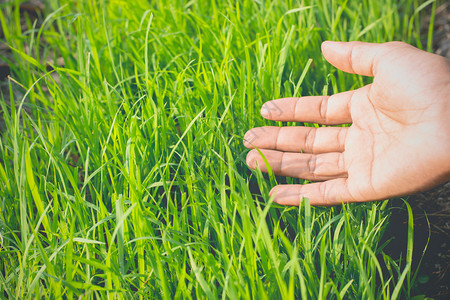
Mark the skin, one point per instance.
(398, 142)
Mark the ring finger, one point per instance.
(315, 167)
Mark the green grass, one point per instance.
(122, 168)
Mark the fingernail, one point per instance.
(248, 138)
(327, 44)
(251, 159)
(265, 110)
(272, 193)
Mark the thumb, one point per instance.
(358, 57)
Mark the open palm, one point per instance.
(399, 140)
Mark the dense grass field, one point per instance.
(122, 168)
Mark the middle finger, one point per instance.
(297, 139)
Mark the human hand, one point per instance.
(399, 140)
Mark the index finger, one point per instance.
(326, 110)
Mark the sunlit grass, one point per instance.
(122, 167)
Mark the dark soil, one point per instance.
(431, 211)
(441, 37)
